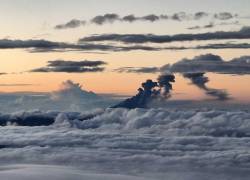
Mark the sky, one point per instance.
(29, 63)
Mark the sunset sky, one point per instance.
(74, 25)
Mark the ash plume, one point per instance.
(149, 90)
(200, 80)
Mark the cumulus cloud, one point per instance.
(173, 143)
(243, 33)
(74, 23)
(211, 63)
(72, 66)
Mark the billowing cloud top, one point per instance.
(211, 63)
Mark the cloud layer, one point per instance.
(161, 142)
(72, 66)
(131, 18)
(211, 63)
(243, 33)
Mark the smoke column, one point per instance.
(199, 80)
(149, 90)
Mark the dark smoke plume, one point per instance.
(149, 90)
(199, 80)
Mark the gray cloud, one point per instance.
(107, 18)
(74, 23)
(138, 70)
(211, 63)
(151, 18)
(224, 16)
(200, 15)
(3, 73)
(113, 17)
(243, 33)
(202, 63)
(72, 66)
(212, 25)
(43, 46)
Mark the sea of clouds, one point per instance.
(154, 143)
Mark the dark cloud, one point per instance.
(224, 16)
(8, 44)
(200, 15)
(151, 18)
(113, 17)
(148, 92)
(3, 73)
(180, 16)
(138, 70)
(43, 46)
(200, 80)
(211, 63)
(72, 66)
(129, 18)
(107, 18)
(243, 33)
(210, 25)
(224, 46)
(74, 23)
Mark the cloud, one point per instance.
(74, 23)
(243, 33)
(113, 17)
(107, 18)
(72, 66)
(43, 46)
(173, 143)
(3, 73)
(200, 15)
(211, 63)
(225, 16)
(151, 18)
(212, 25)
(137, 70)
